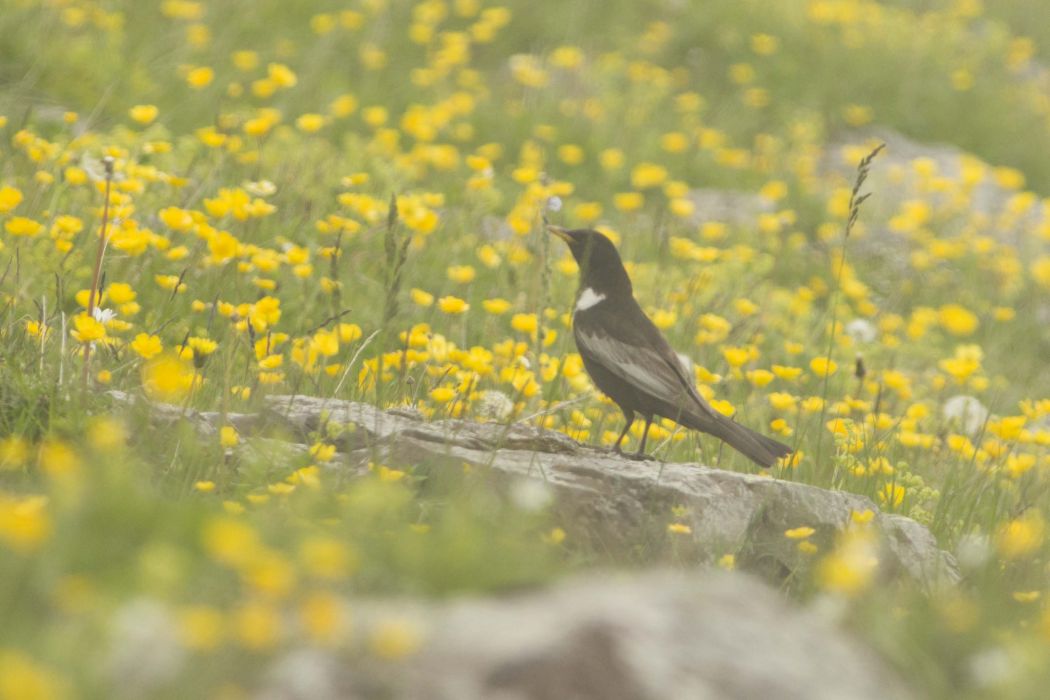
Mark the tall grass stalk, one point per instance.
(856, 199)
(395, 248)
(94, 294)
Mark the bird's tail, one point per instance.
(764, 451)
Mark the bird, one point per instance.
(630, 361)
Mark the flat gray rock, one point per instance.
(608, 503)
(617, 503)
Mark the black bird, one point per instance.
(628, 358)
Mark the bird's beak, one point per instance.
(560, 232)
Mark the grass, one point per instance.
(349, 203)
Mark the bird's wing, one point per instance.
(629, 346)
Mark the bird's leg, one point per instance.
(640, 454)
(629, 418)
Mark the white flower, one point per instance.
(103, 315)
(262, 188)
(554, 203)
(531, 494)
(967, 412)
(861, 330)
(494, 404)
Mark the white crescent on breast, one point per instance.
(588, 298)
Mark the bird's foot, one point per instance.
(637, 456)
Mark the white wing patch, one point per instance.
(588, 298)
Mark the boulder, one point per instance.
(607, 503)
(648, 636)
(618, 505)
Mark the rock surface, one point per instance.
(607, 502)
(651, 636)
(615, 503)
(894, 180)
(633, 637)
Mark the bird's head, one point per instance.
(600, 266)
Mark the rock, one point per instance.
(607, 503)
(894, 180)
(727, 206)
(616, 504)
(636, 637)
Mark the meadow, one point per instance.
(205, 203)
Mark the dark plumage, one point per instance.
(630, 361)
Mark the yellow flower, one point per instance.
(823, 367)
(311, 123)
(147, 346)
(1040, 270)
(760, 377)
(957, 320)
(10, 198)
(87, 329)
(1019, 464)
(228, 436)
(343, 106)
(892, 495)
(628, 201)
(200, 77)
(674, 142)
(23, 226)
(664, 319)
(556, 536)
(167, 378)
(442, 394)
(325, 343)
(648, 175)
(679, 529)
(420, 297)
(736, 357)
(496, 307)
(453, 305)
(524, 323)
(461, 274)
(143, 114)
(782, 401)
(390, 475)
(570, 154)
(799, 533)
(850, 568)
(349, 332)
(22, 678)
(611, 158)
(257, 625)
(24, 523)
(1020, 537)
(281, 75)
(1007, 427)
